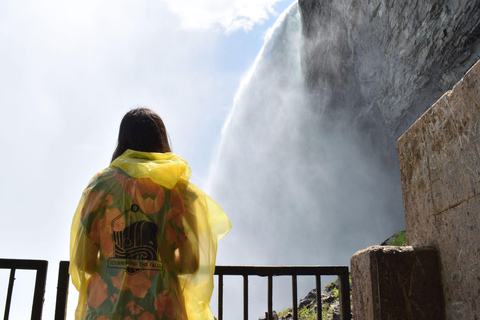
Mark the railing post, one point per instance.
(344, 291)
(220, 297)
(294, 297)
(245, 297)
(9, 294)
(318, 289)
(270, 297)
(39, 291)
(62, 291)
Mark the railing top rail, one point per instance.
(281, 270)
(23, 264)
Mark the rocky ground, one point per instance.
(307, 308)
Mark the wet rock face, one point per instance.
(386, 62)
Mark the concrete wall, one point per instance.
(440, 172)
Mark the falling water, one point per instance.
(298, 192)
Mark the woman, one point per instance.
(144, 239)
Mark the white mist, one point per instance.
(298, 191)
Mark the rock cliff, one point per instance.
(386, 62)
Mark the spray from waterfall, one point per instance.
(298, 190)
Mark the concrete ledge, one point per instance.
(396, 283)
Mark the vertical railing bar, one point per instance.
(318, 288)
(245, 297)
(294, 297)
(62, 291)
(9, 294)
(39, 293)
(220, 297)
(344, 292)
(270, 297)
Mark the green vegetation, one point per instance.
(303, 314)
(308, 313)
(398, 239)
(335, 293)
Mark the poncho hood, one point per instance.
(166, 169)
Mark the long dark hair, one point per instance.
(142, 129)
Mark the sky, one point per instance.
(70, 70)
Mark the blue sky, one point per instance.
(69, 70)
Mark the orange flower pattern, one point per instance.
(137, 283)
(175, 239)
(114, 297)
(164, 305)
(148, 195)
(97, 291)
(102, 230)
(92, 203)
(147, 316)
(114, 206)
(175, 219)
(134, 308)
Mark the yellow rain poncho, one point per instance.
(144, 242)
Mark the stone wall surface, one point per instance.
(440, 172)
(396, 283)
(362, 289)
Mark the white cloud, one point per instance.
(69, 71)
(227, 15)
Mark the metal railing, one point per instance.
(220, 271)
(270, 272)
(40, 281)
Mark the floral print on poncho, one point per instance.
(143, 242)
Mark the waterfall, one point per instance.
(307, 172)
(299, 190)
